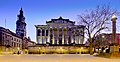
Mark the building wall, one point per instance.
(58, 49)
(60, 31)
(73, 34)
(9, 40)
(105, 39)
(31, 43)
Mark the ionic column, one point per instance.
(79, 38)
(37, 36)
(40, 36)
(45, 37)
(48, 40)
(58, 36)
(67, 36)
(72, 40)
(53, 42)
(62, 35)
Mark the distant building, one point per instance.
(9, 40)
(15, 41)
(21, 25)
(105, 39)
(27, 42)
(21, 30)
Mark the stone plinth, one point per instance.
(114, 48)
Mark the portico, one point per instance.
(59, 31)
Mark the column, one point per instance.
(72, 36)
(37, 35)
(48, 40)
(58, 36)
(62, 35)
(114, 47)
(79, 40)
(53, 42)
(79, 37)
(45, 37)
(40, 36)
(75, 39)
(67, 36)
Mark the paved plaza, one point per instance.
(55, 58)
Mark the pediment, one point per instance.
(60, 20)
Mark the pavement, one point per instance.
(54, 58)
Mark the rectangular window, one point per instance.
(12, 38)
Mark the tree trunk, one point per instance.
(91, 47)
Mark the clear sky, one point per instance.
(39, 11)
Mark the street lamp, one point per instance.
(18, 50)
(61, 50)
(103, 40)
(103, 36)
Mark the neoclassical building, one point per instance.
(59, 32)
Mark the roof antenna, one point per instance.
(21, 3)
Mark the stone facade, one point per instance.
(9, 40)
(60, 31)
(27, 42)
(105, 39)
(59, 36)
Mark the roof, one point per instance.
(60, 19)
(10, 32)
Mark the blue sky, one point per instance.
(39, 11)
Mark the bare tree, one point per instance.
(96, 21)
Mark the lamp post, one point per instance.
(18, 50)
(103, 43)
(114, 47)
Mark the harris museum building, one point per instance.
(60, 32)
(58, 35)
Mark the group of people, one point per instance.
(102, 50)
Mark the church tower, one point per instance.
(21, 25)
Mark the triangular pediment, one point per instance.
(60, 20)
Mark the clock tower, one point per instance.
(21, 25)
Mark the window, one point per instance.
(5, 36)
(17, 40)
(14, 39)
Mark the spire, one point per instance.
(21, 12)
(20, 24)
